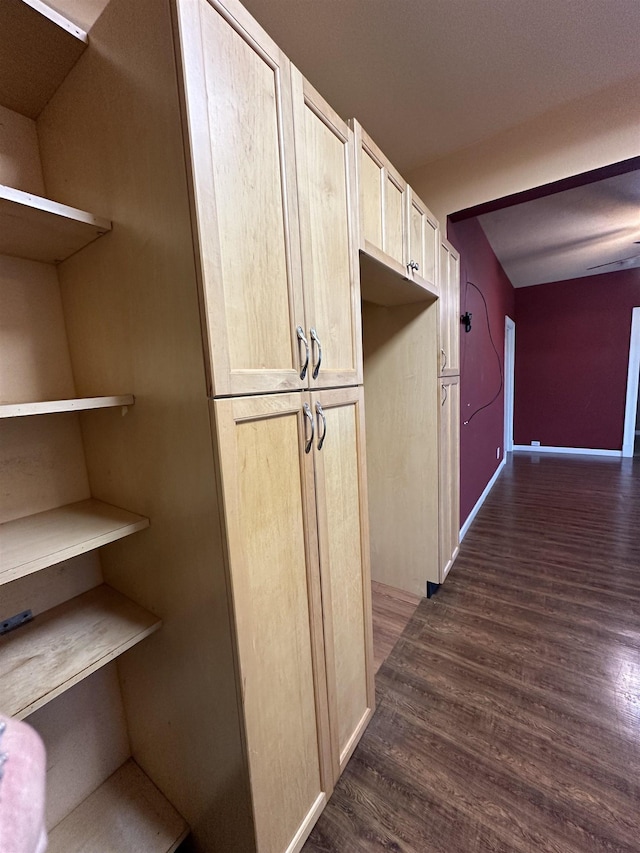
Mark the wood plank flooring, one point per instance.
(392, 609)
(508, 717)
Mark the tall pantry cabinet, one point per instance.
(226, 300)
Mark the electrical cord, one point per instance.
(499, 391)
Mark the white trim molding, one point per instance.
(482, 498)
(632, 385)
(580, 451)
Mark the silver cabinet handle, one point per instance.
(316, 340)
(444, 360)
(445, 394)
(320, 413)
(414, 265)
(307, 413)
(302, 338)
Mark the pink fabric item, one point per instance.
(22, 790)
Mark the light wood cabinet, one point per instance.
(273, 320)
(449, 473)
(397, 234)
(294, 494)
(423, 240)
(449, 310)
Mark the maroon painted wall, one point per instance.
(479, 369)
(572, 353)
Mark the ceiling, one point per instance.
(567, 234)
(429, 77)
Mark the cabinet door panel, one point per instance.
(449, 473)
(324, 153)
(454, 310)
(394, 218)
(239, 114)
(344, 560)
(449, 310)
(422, 240)
(267, 486)
(371, 198)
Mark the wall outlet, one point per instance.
(535, 444)
(497, 453)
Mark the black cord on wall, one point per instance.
(486, 311)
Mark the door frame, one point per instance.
(633, 375)
(509, 381)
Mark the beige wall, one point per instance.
(593, 131)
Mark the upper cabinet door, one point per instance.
(330, 271)
(454, 309)
(423, 241)
(237, 94)
(382, 204)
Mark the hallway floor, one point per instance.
(508, 713)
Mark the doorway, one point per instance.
(633, 381)
(509, 381)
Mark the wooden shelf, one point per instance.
(127, 812)
(47, 656)
(48, 407)
(43, 230)
(38, 48)
(384, 286)
(36, 541)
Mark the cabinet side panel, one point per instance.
(111, 141)
(400, 386)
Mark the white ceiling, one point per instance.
(427, 77)
(565, 235)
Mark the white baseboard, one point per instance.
(482, 498)
(581, 451)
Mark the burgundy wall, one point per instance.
(572, 352)
(479, 370)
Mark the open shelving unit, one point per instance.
(127, 812)
(38, 48)
(62, 646)
(36, 541)
(39, 229)
(79, 404)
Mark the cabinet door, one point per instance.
(326, 188)
(267, 489)
(382, 192)
(449, 310)
(343, 530)
(423, 241)
(237, 92)
(449, 473)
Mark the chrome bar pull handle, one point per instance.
(444, 360)
(321, 415)
(445, 394)
(316, 340)
(309, 441)
(414, 266)
(302, 339)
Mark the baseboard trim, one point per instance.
(482, 498)
(580, 451)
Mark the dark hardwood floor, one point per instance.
(392, 609)
(508, 713)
